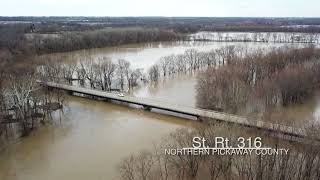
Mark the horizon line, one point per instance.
(92, 16)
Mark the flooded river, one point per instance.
(93, 136)
(89, 142)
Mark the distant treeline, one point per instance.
(196, 22)
(178, 24)
(263, 28)
(17, 41)
(97, 39)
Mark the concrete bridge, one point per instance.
(148, 104)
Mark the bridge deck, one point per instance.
(150, 103)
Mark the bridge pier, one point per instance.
(199, 118)
(70, 93)
(147, 108)
(49, 88)
(94, 97)
(204, 119)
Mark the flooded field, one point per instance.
(145, 55)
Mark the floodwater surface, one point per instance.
(89, 143)
(145, 55)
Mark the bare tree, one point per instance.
(108, 68)
(20, 91)
(154, 73)
(87, 65)
(123, 71)
(127, 168)
(68, 70)
(164, 63)
(134, 76)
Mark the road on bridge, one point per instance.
(199, 113)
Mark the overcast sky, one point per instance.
(225, 8)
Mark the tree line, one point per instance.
(192, 61)
(108, 74)
(263, 28)
(179, 24)
(266, 37)
(70, 41)
(102, 73)
(17, 42)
